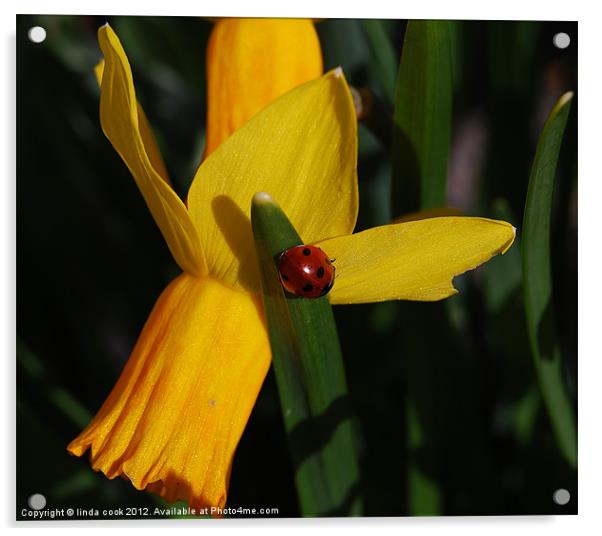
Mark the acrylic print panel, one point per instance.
(162, 369)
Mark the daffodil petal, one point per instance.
(174, 418)
(416, 260)
(250, 63)
(120, 122)
(146, 132)
(301, 150)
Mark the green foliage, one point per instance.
(537, 276)
(310, 375)
(384, 55)
(422, 117)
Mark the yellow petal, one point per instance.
(174, 418)
(120, 122)
(301, 150)
(251, 62)
(146, 132)
(412, 261)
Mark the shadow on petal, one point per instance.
(236, 230)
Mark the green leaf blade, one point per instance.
(422, 117)
(383, 53)
(310, 376)
(537, 279)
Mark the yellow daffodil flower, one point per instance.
(174, 418)
(250, 63)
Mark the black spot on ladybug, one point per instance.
(308, 288)
(320, 272)
(285, 277)
(307, 252)
(326, 288)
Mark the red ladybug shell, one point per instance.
(306, 271)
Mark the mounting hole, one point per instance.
(561, 40)
(37, 34)
(37, 501)
(561, 496)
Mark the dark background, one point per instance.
(449, 416)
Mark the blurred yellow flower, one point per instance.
(173, 420)
(250, 63)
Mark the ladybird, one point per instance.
(306, 271)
